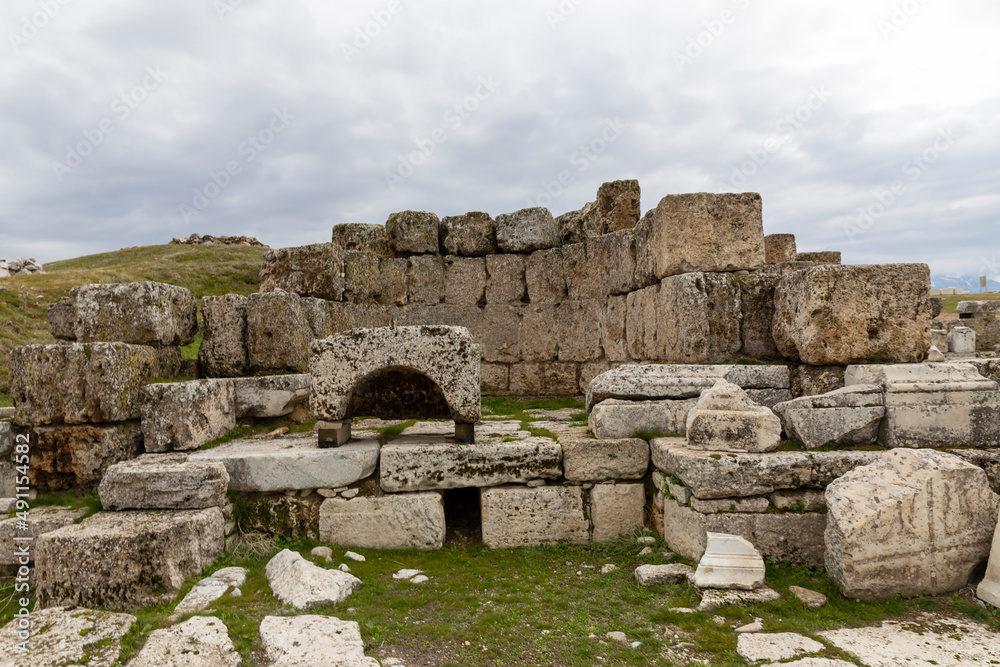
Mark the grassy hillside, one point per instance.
(205, 270)
(951, 302)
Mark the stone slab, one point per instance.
(404, 521)
(271, 395)
(655, 575)
(521, 516)
(164, 481)
(613, 418)
(211, 588)
(923, 642)
(312, 641)
(200, 641)
(66, 636)
(593, 460)
(850, 416)
(774, 646)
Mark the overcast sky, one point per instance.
(868, 126)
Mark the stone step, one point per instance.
(164, 481)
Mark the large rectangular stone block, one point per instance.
(360, 236)
(698, 318)
(75, 457)
(545, 275)
(14, 536)
(616, 509)
(164, 481)
(611, 263)
(579, 326)
(500, 336)
(522, 516)
(641, 324)
(757, 305)
(617, 205)
(185, 415)
(527, 230)
(370, 278)
(425, 279)
(330, 317)
(539, 333)
(505, 281)
(413, 232)
(278, 332)
(592, 460)
(313, 270)
(613, 418)
(613, 336)
(223, 350)
(465, 281)
(705, 232)
(143, 313)
(271, 395)
(472, 235)
(544, 378)
(404, 521)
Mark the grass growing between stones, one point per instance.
(247, 431)
(90, 502)
(537, 606)
(6, 401)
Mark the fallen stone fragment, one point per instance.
(211, 588)
(730, 562)
(419, 579)
(756, 626)
(326, 553)
(989, 588)
(200, 641)
(354, 556)
(164, 481)
(717, 599)
(619, 637)
(774, 646)
(405, 574)
(186, 415)
(935, 355)
(726, 419)
(67, 636)
(608, 568)
(654, 575)
(312, 641)
(927, 640)
(809, 598)
(646, 551)
(849, 417)
(297, 582)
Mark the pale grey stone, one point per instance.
(62, 319)
(989, 588)
(425, 279)
(270, 395)
(200, 641)
(371, 279)
(912, 522)
(592, 460)
(935, 355)
(579, 330)
(726, 419)
(774, 646)
(412, 232)
(779, 248)
(527, 230)
(410, 521)
(698, 319)
(615, 510)
(313, 270)
(164, 481)
(185, 415)
(291, 462)
(312, 641)
(654, 575)
(519, 516)
(465, 280)
(223, 350)
(303, 585)
(715, 506)
(943, 641)
(850, 416)
(66, 636)
(211, 588)
(729, 562)
(142, 313)
(545, 276)
(821, 257)
(471, 235)
(809, 598)
(712, 600)
(962, 340)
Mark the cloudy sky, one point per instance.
(868, 126)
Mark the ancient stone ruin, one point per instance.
(19, 267)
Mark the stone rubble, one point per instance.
(200, 641)
(211, 588)
(654, 575)
(303, 585)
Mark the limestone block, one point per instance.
(304, 585)
(773, 646)
(729, 562)
(644, 273)
(76, 457)
(405, 521)
(330, 317)
(522, 516)
(698, 318)
(623, 419)
(412, 232)
(360, 236)
(126, 559)
(143, 313)
(912, 522)
(591, 460)
(726, 475)
(989, 588)
(505, 282)
(370, 278)
(830, 315)
(79, 383)
(642, 324)
(579, 329)
(655, 575)
(725, 419)
(500, 336)
(611, 263)
(311, 641)
(200, 641)
(211, 588)
(981, 308)
(962, 340)
(282, 515)
(470, 235)
(465, 280)
(223, 351)
(649, 382)
(850, 416)
(447, 356)
(41, 520)
(544, 379)
(164, 481)
(617, 206)
(939, 339)
(539, 333)
(779, 248)
(527, 230)
(495, 378)
(754, 504)
(62, 319)
(708, 232)
(67, 636)
(612, 325)
(616, 509)
(313, 270)
(757, 305)
(270, 395)
(278, 332)
(425, 279)
(291, 463)
(712, 599)
(545, 276)
(419, 466)
(821, 257)
(581, 281)
(587, 372)
(178, 416)
(814, 380)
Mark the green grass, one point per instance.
(951, 302)
(649, 435)
(6, 401)
(516, 405)
(244, 431)
(191, 351)
(87, 501)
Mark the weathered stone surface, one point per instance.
(578, 324)
(809, 598)
(988, 368)
(934, 405)
(757, 307)
(211, 588)
(913, 522)
(852, 314)
(962, 340)
(303, 585)
(989, 588)
(6, 440)
(814, 380)
(821, 257)
(665, 381)
(62, 319)
(126, 559)
(712, 600)
(465, 281)
(471, 235)
(164, 481)
(144, 313)
(447, 356)
(699, 318)
(978, 307)
(708, 232)
(419, 466)
(327, 318)
(613, 418)
(66, 636)
(410, 521)
(281, 514)
(790, 536)
(935, 355)
(200, 641)
(223, 351)
(774, 646)
(370, 278)
(801, 500)
(425, 279)
(494, 378)
(591, 460)
(617, 206)
(642, 323)
(544, 379)
(505, 282)
(611, 264)
(41, 520)
(313, 270)
(270, 395)
(76, 457)
(312, 641)
(360, 236)
(717, 505)
(725, 419)
(779, 248)
(654, 575)
(520, 516)
(527, 230)
(545, 276)
(412, 232)
(185, 415)
(500, 335)
(278, 333)
(615, 510)
(729, 562)
(79, 383)
(539, 333)
(644, 252)
(613, 335)
(928, 639)
(291, 463)
(850, 416)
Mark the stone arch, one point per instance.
(397, 392)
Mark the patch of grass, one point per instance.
(580, 417)
(649, 435)
(244, 431)
(515, 405)
(191, 351)
(90, 502)
(6, 401)
(951, 302)
(389, 432)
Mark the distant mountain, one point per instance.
(970, 283)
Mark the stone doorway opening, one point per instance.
(462, 516)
